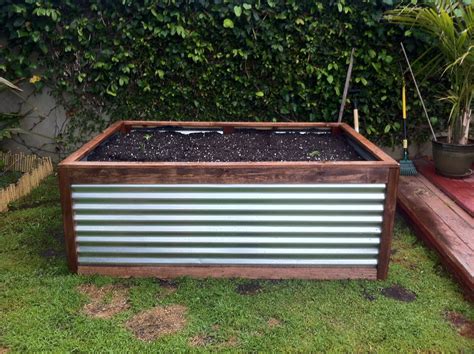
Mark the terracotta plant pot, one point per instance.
(453, 160)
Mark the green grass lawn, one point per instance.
(41, 307)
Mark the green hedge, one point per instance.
(210, 60)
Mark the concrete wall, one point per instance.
(43, 117)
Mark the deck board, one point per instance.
(441, 224)
(459, 190)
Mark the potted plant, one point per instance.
(451, 25)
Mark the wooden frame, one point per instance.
(382, 169)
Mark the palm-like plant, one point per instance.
(451, 24)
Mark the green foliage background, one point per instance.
(212, 60)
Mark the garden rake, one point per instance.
(407, 168)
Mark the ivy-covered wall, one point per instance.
(211, 60)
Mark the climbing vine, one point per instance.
(106, 60)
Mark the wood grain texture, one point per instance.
(265, 125)
(229, 174)
(459, 190)
(388, 223)
(449, 233)
(367, 145)
(320, 273)
(68, 220)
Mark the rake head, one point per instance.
(407, 168)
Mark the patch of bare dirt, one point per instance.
(167, 287)
(201, 340)
(398, 292)
(232, 342)
(249, 288)
(464, 326)
(158, 321)
(404, 261)
(4, 350)
(105, 301)
(273, 322)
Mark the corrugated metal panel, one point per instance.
(316, 224)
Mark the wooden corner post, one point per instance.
(68, 217)
(388, 222)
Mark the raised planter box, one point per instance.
(308, 219)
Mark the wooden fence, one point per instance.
(34, 169)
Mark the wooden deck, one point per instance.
(442, 225)
(459, 190)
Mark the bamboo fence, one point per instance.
(34, 170)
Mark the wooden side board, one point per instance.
(442, 225)
(326, 273)
(68, 218)
(228, 174)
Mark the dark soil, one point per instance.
(249, 288)
(167, 287)
(464, 326)
(398, 292)
(248, 145)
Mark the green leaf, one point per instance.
(228, 23)
(247, 6)
(237, 11)
(387, 128)
(330, 79)
(259, 94)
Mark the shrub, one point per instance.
(210, 60)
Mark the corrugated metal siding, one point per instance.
(317, 224)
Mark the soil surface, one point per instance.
(399, 293)
(158, 321)
(251, 145)
(249, 288)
